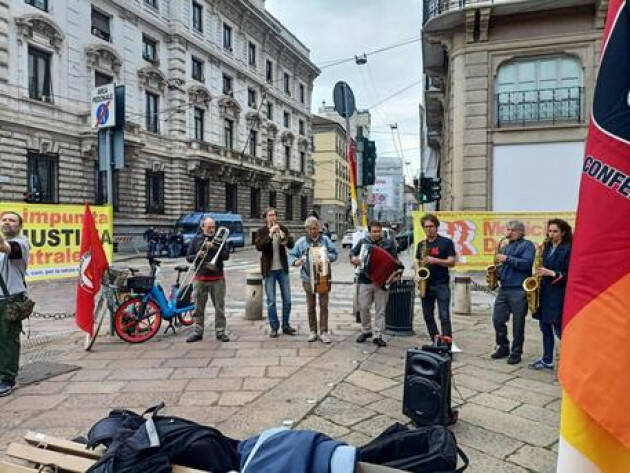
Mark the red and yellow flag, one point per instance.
(352, 158)
(595, 361)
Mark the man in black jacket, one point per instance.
(208, 281)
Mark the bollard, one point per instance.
(462, 295)
(253, 306)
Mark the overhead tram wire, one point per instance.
(379, 103)
(336, 62)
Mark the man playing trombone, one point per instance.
(209, 279)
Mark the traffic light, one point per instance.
(369, 162)
(430, 189)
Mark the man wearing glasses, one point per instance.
(515, 262)
(437, 253)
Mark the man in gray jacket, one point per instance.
(13, 263)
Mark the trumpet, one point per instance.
(423, 273)
(492, 271)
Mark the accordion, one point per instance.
(377, 264)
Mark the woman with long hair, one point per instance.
(553, 283)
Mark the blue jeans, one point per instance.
(548, 329)
(282, 277)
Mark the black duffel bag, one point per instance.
(425, 450)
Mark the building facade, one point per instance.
(387, 200)
(218, 100)
(332, 174)
(508, 95)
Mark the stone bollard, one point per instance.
(253, 306)
(462, 295)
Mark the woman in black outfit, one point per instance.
(553, 273)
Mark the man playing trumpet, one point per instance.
(209, 280)
(298, 257)
(437, 254)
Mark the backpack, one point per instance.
(425, 450)
(137, 444)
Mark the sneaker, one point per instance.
(194, 337)
(325, 338)
(540, 365)
(222, 337)
(312, 337)
(455, 348)
(5, 388)
(514, 359)
(364, 336)
(273, 333)
(378, 341)
(288, 330)
(501, 352)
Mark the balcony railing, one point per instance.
(562, 104)
(437, 7)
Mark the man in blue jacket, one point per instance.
(297, 257)
(515, 260)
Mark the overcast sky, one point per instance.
(334, 29)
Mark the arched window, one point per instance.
(544, 89)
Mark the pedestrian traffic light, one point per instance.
(369, 162)
(430, 189)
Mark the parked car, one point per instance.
(188, 224)
(346, 241)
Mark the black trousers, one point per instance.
(442, 294)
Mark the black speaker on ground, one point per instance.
(427, 390)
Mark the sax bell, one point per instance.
(530, 284)
(423, 280)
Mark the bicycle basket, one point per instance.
(116, 277)
(140, 284)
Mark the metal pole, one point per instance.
(356, 155)
(108, 159)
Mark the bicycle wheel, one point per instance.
(186, 318)
(134, 330)
(99, 315)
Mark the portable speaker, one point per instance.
(427, 390)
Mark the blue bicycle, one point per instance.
(139, 318)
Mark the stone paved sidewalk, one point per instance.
(508, 414)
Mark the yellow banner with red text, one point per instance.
(475, 234)
(54, 233)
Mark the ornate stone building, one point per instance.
(218, 98)
(508, 93)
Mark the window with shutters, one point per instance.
(100, 25)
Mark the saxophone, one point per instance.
(423, 272)
(531, 285)
(492, 271)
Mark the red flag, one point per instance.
(595, 427)
(91, 268)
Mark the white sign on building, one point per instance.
(103, 107)
(383, 192)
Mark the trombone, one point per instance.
(220, 239)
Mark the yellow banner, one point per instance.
(54, 233)
(475, 234)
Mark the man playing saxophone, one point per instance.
(515, 259)
(437, 254)
(209, 280)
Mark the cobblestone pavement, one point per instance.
(508, 414)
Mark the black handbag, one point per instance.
(19, 307)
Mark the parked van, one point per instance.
(189, 226)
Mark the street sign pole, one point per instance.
(108, 159)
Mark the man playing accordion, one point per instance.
(368, 290)
(314, 252)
